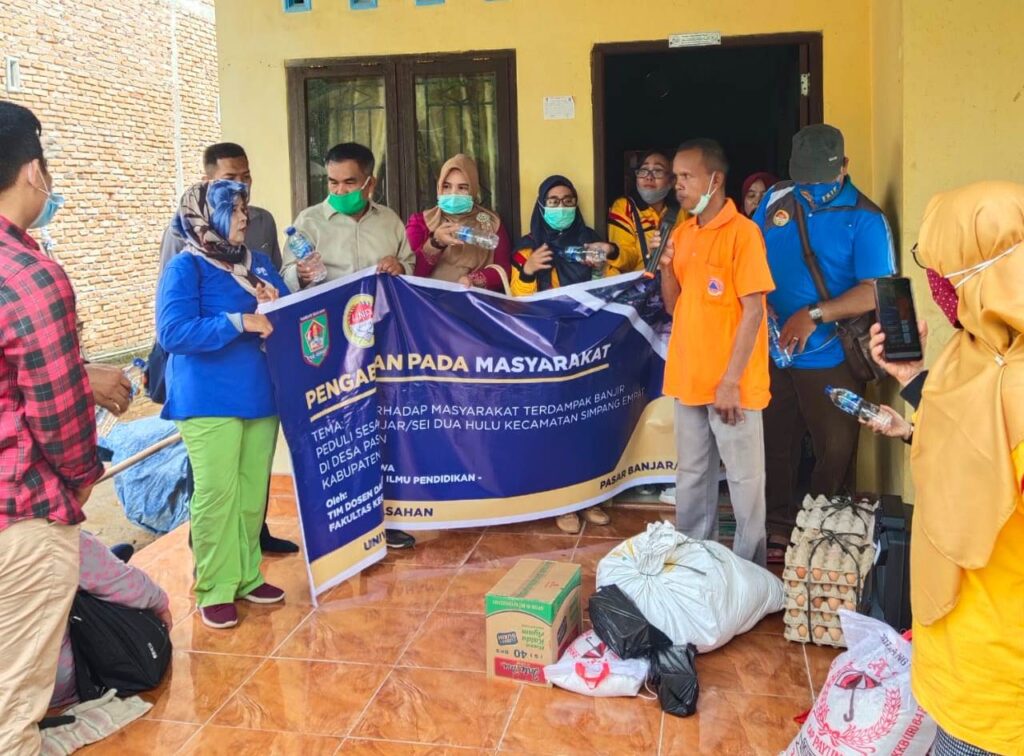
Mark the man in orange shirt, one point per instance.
(714, 278)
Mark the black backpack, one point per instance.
(115, 646)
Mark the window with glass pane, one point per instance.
(344, 110)
(456, 113)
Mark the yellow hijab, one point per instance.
(972, 410)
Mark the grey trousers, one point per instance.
(702, 439)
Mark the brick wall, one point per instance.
(127, 94)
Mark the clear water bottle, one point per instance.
(780, 356)
(855, 405)
(583, 255)
(105, 419)
(303, 249)
(482, 239)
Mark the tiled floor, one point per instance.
(392, 662)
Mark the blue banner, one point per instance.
(421, 405)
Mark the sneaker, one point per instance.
(399, 539)
(265, 594)
(668, 496)
(123, 551)
(596, 516)
(219, 616)
(271, 545)
(569, 523)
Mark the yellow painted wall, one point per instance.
(553, 40)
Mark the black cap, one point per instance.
(818, 153)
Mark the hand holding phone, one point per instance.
(894, 307)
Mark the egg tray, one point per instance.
(814, 590)
(819, 635)
(821, 603)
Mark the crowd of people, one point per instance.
(725, 268)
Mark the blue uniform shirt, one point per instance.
(852, 242)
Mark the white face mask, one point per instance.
(968, 273)
(705, 199)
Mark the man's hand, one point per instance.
(391, 266)
(797, 331)
(82, 495)
(539, 259)
(727, 403)
(111, 389)
(307, 268)
(904, 372)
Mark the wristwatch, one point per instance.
(816, 314)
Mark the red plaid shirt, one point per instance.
(47, 416)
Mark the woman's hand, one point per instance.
(904, 372)
(601, 251)
(266, 293)
(653, 240)
(258, 324)
(898, 426)
(465, 281)
(445, 233)
(540, 259)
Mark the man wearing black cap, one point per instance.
(852, 244)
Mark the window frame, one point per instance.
(399, 73)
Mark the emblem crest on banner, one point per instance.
(316, 339)
(358, 321)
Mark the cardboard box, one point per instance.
(533, 613)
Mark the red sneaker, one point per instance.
(219, 616)
(265, 594)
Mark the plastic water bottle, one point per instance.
(105, 419)
(855, 405)
(583, 255)
(481, 239)
(303, 249)
(780, 356)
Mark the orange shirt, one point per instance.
(715, 265)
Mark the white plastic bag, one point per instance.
(589, 667)
(695, 591)
(866, 706)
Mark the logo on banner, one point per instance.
(316, 340)
(781, 218)
(358, 321)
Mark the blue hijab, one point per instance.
(541, 233)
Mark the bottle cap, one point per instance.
(289, 231)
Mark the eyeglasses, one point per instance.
(654, 173)
(569, 201)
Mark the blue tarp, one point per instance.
(154, 492)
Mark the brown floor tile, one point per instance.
(504, 550)
(392, 585)
(197, 685)
(281, 508)
(590, 551)
(260, 629)
(468, 588)
(438, 707)
(227, 740)
(819, 659)
(733, 724)
(172, 572)
(756, 664)
(144, 737)
(628, 522)
(289, 574)
(544, 526)
(282, 485)
(446, 548)
(315, 698)
(553, 721)
(364, 634)
(354, 747)
(449, 641)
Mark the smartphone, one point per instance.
(894, 306)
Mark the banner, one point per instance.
(421, 405)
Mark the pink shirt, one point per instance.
(417, 232)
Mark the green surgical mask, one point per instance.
(350, 203)
(455, 204)
(559, 218)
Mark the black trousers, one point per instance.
(799, 405)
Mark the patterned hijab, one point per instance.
(195, 225)
(972, 409)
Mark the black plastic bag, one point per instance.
(674, 672)
(621, 625)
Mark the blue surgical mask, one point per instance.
(559, 218)
(705, 199)
(54, 202)
(455, 204)
(820, 194)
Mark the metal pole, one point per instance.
(136, 458)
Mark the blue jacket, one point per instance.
(213, 369)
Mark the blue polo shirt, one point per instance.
(852, 242)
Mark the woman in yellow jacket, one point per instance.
(967, 458)
(634, 220)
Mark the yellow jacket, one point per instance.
(622, 231)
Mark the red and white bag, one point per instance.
(866, 706)
(589, 667)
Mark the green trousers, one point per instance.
(231, 460)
